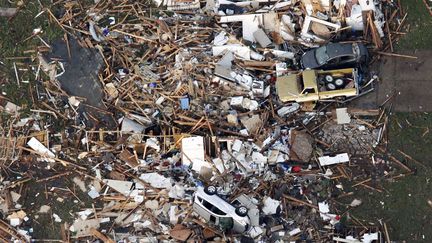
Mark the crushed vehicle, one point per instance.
(335, 55)
(219, 212)
(314, 85)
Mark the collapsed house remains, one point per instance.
(197, 121)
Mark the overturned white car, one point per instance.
(219, 212)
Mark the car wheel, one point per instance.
(339, 82)
(210, 190)
(330, 86)
(241, 211)
(328, 78)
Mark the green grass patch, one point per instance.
(418, 26)
(410, 133)
(17, 29)
(19, 48)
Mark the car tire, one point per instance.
(241, 211)
(210, 190)
(331, 86)
(339, 82)
(328, 78)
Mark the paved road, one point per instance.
(409, 79)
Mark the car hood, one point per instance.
(308, 60)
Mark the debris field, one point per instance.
(198, 121)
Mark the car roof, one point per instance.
(338, 49)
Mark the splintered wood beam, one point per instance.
(412, 159)
(428, 7)
(300, 201)
(395, 55)
(11, 232)
(395, 160)
(101, 236)
(389, 36)
(135, 36)
(63, 162)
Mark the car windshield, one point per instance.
(321, 55)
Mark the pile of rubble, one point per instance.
(202, 121)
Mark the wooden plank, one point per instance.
(101, 236)
(395, 55)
